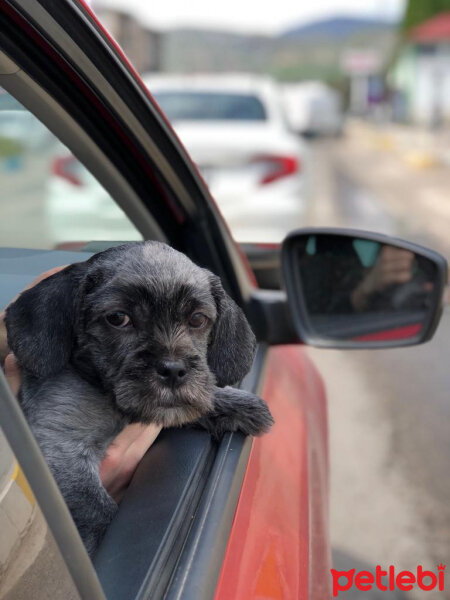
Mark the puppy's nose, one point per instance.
(172, 372)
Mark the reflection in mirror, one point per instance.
(360, 290)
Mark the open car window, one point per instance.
(48, 199)
(176, 516)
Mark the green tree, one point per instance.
(418, 11)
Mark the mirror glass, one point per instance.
(359, 290)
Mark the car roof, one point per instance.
(237, 82)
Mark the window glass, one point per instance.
(48, 198)
(210, 106)
(31, 566)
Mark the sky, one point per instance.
(250, 15)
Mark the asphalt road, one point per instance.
(389, 409)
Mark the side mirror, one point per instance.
(354, 289)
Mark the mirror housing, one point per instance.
(355, 289)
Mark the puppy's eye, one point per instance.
(118, 320)
(198, 320)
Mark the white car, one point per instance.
(234, 128)
(77, 208)
(313, 108)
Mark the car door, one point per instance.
(181, 526)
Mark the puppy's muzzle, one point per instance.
(172, 372)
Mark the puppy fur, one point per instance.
(86, 374)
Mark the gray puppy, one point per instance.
(137, 333)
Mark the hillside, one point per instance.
(310, 51)
(337, 27)
(197, 50)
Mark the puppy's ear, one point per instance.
(40, 322)
(232, 343)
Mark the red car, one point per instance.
(237, 520)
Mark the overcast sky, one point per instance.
(267, 16)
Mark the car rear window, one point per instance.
(210, 106)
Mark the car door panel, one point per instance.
(144, 540)
(278, 546)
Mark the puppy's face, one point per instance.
(144, 331)
(142, 322)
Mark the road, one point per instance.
(389, 409)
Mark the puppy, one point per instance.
(137, 333)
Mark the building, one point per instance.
(420, 76)
(141, 44)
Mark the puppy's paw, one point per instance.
(237, 410)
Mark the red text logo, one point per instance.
(388, 579)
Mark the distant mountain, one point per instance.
(308, 52)
(209, 50)
(337, 27)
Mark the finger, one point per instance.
(145, 439)
(111, 464)
(3, 337)
(405, 263)
(119, 450)
(400, 272)
(397, 277)
(398, 261)
(136, 451)
(127, 436)
(12, 373)
(390, 252)
(124, 455)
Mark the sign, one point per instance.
(361, 62)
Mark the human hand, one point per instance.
(12, 373)
(123, 456)
(393, 266)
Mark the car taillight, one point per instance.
(275, 167)
(65, 167)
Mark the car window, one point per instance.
(30, 563)
(48, 198)
(210, 106)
